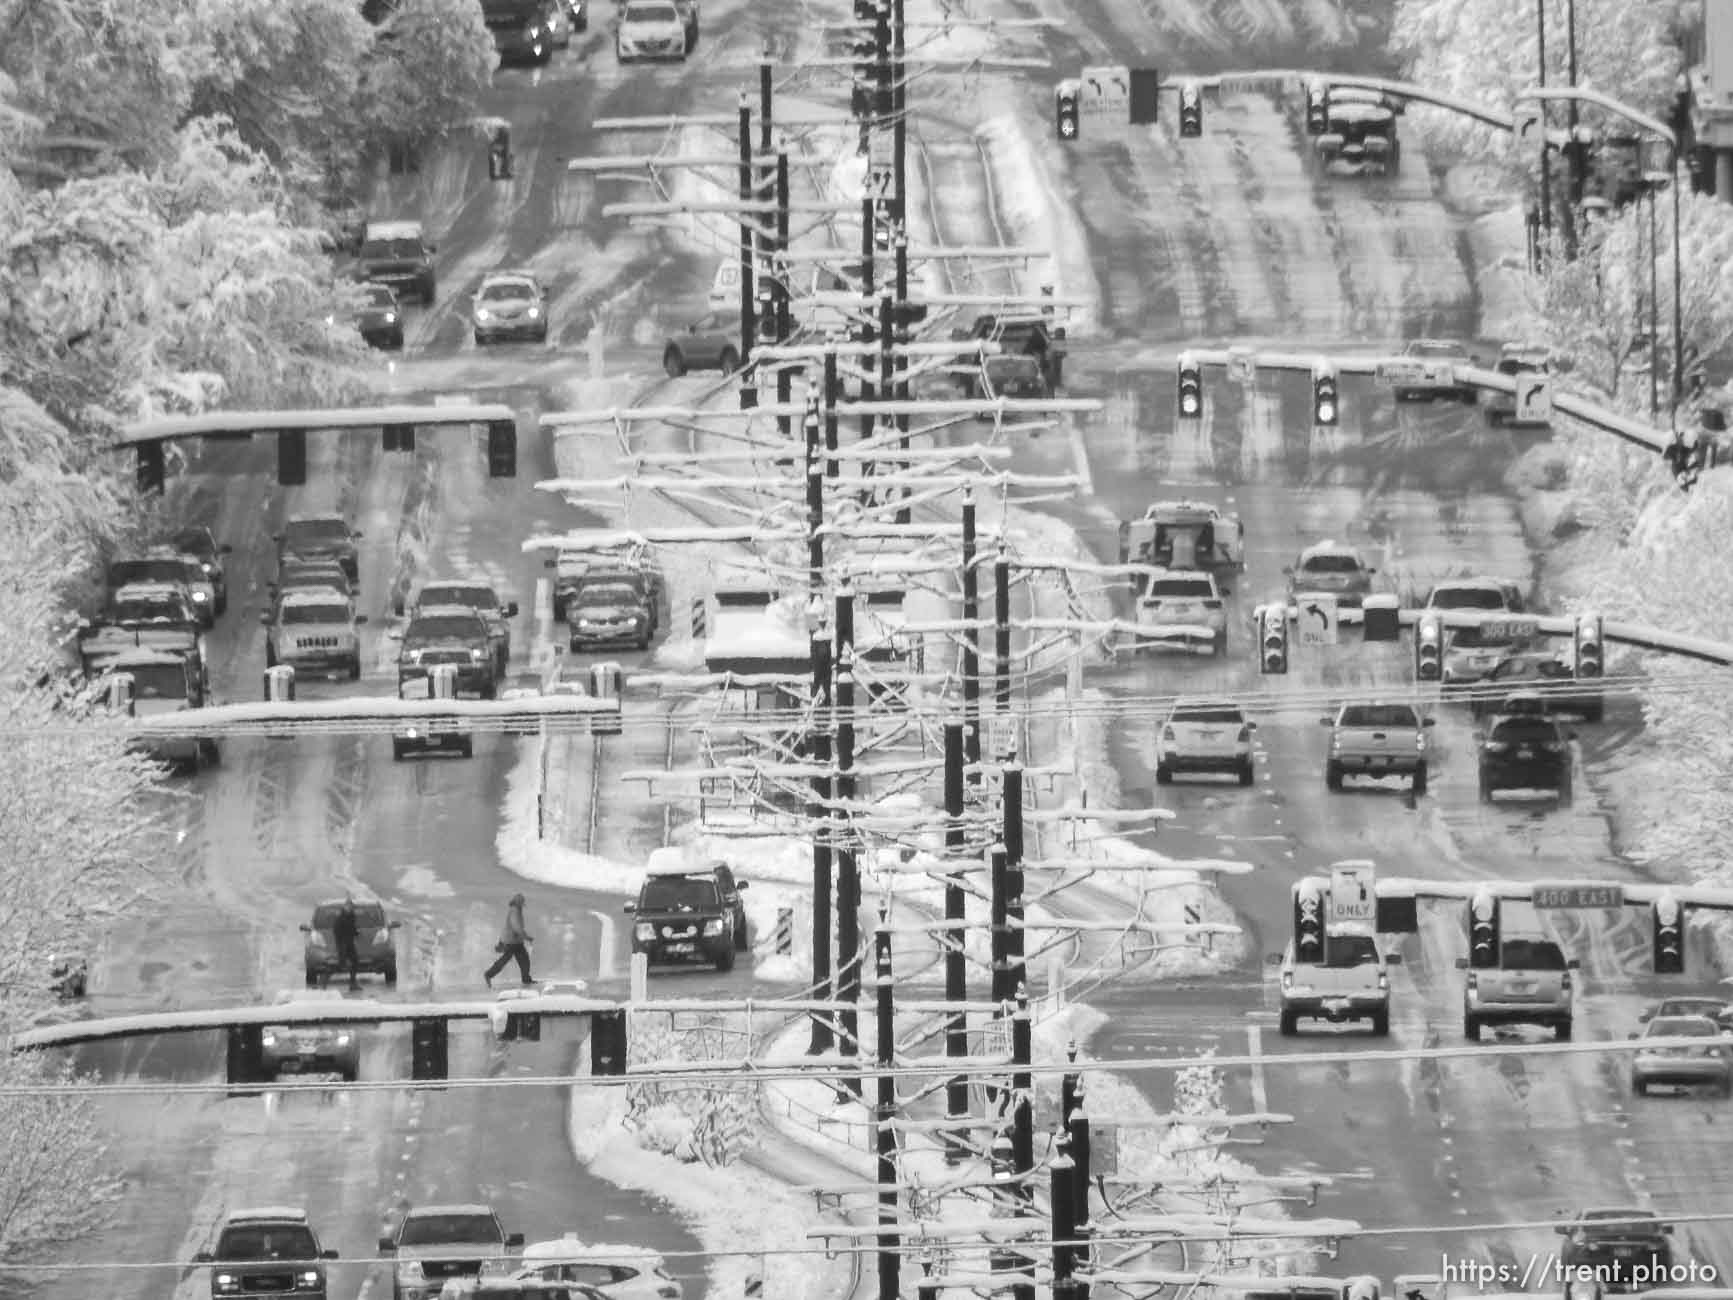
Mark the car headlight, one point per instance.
(316, 940)
(478, 655)
(391, 318)
(409, 1270)
(712, 928)
(533, 312)
(225, 1282)
(269, 1039)
(587, 622)
(208, 567)
(200, 597)
(308, 1279)
(643, 932)
(342, 1040)
(414, 656)
(482, 313)
(410, 733)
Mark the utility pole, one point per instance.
(869, 283)
(971, 642)
(1011, 799)
(779, 277)
(1545, 146)
(848, 948)
(997, 921)
(900, 390)
(885, 1112)
(1062, 1187)
(1576, 147)
(1002, 633)
(832, 395)
(748, 194)
(1022, 1094)
(900, 220)
(821, 810)
(956, 913)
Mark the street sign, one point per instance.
(1242, 366)
(1107, 92)
(1411, 374)
(882, 180)
(725, 288)
(1104, 1150)
(1533, 399)
(1510, 629)
(1353, 898)
(1528, 125)
(1567, 896)
(1318, 622)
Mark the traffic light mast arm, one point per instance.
(1584, 95)
(1497, 118)
(1631, 634)
(242, 424)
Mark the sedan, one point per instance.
(511, 305)
(1717, 1009)
(380, 318)
(1709, 1065)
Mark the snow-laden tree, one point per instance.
(1488, 50)
(435, 59)
(57, 1180)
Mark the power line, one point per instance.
(745, 1072)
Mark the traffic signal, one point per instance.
(1428, 650)
(292, 457)
(1589, 646)
(1067, 108)
(608, 1042)
(1190, 388)
(429, 1049)
(1669, 925)
(768, 322)
(1273, 638)
(1190, 111)
(1483, 931)
(399, 437)
(502, 448)
(1325, 409)
(1317, 108)
(1308, 895)
(151, 468)
(1145, 96)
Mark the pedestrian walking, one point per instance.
(514, 942)
(344, 929)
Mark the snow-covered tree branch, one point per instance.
(57, 1181)
(435, 58)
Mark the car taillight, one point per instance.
(1420, 740)
(1555, 746)
(1565, 981)
(1287, 980)
(1167, 735)
(1473, 980)
(1245, 736)
(1496, 746)
(1383, 981)
(668, 1291)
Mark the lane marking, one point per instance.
(607, 945)
(1080, 459)
(1260, 1090)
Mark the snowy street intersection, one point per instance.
(1166, 243)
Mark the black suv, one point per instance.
(397, 254)
(1525, 752)
(1029, 336)
(1541, 678)
(321, 537)
(267, 1252)
(690, 916)
(1608, 1244)
(454, 635)
(198, 544)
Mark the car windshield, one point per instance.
(1214, 714)
(1524, 731)
(445, 627)
(607, 593)
(318, 532)
(1531, 954)
(1187, 588)
(506, 291)
(1378, 715)
(1595, 1223)
(677, 894)
(652, 13)
(469, 597)
(1467, 598)
(381, 249)
(1434, 348)
(149, 609)
(1003, 367)
(1524, 669)
(1344, 950)
(368, 916)
(1691, 1007)
(1474, 638)
(267, 1241)
(157, 681)
(449, 1229)
(1331, 564)
(194, 541)
(124, 572)
(379, 296)
(321, 614)
(1683, 1027)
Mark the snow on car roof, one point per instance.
(312, 596)
(423, 1211)
(1164, 509)
(1328, 546)
(260, 1213)
(679, 868)
(570, 1247)
(317, 519)
(149, 590)
(392, 230)
(140, 657)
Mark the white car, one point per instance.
(1205, 736)
(1183, 610)
(618, 1272)
(651, 29)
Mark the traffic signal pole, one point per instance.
(884, 1113)
(748, 193)
(848, 950)
(971, 643)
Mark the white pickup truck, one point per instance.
(1352, 983)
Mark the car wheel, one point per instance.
(1381, 1024)
(480, 339)
(397, 751)
(1485, 790)
(559, 610)
(1163, 774)
(1221, 644)
(270, 655)
(390, 974)
(428, 293)
(1495, 418)
(210, 754)
(1563, 1030)
(222, 603)
(355, 669)
(644, 642)
(489, 690)
(1470, 1028)
(673, 362)
(742, 940)
(1639, 1086)
(1594, 713)
(725, 961)
(730, 361)
(1564, 792)
(1420, 775)
(312, 978)
(1246, 772)
(351, 1073)
(1289, 1024)
(467, 749)
(1333, 776)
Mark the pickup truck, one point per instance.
(158, 616)
(1377, 740)
(163, 564)
(162, 684)
(1351, 983)
(1016, 335)
(1183, 535)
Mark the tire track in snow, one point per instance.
(1209, 307)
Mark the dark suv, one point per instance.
(1525, 752)
(375, 942)
(321, 537)
(690, 916)
(397, 254)
(1607, 1245)
(198, 544)
(267, 1252)
(454, 635)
